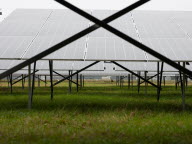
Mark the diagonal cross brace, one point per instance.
(135, 74)
(65, 77)
(24, 77)
(40, 79)
(150, 77)
(17, 77)
(125, 37)
(71, 39)
(76, 73)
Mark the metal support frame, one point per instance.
(77, 81)
(176, 82)
(64, 77)
(29, 88)
(164, 80)
(126, 69)
(116, 80)
(8, 81)
(182, 81)
(186, 82)
(92, 28)
(127, 38)
(39, 78)
(33, 82)
(160, 80)
(158, 83)
(123, 81)
(11, 83)
(69, 89)
(145, 73)
(132, 81)
(17, 77)
(23, 78)
(184, 87)
(120, 78)
(72, 39)
(149, 78)
(23, 86)
(71, 79)
(51, 77)
(45, 80)
(76, 73)
(138, 81)
(83, 81)
(129, 80)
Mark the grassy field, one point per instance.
(100, 113)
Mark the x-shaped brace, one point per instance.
(71, 39)
(125, 37)
(91, 29)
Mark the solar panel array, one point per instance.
(26, 33)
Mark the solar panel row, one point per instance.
(26, 33)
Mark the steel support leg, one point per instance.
(116, 80)
(145, 73)
(69, 81)
(83, 81)
(160, 81)
(176, 82)
(45, 80)
(51, 76)
(8, 81)
(22, 81)
(77, 82)
(139, 80)
(164, 80)
(38, 81)
(33, 82)
(11, 83)
(186, 79)
(132, 81)
(120, 81)
(29, 88)
(129, 80)
(184, 84)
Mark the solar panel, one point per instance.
(26, 33)
(156, 25)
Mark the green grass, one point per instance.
(99, 113)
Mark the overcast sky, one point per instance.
(8, 6)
